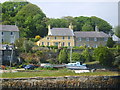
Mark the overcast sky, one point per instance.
(105, 9)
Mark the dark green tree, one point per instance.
(110, 42)
(117, 31)
(63, 57)
(87, 27)
(117, 61)
(104, 56)
(87, 55)
(9, 11)
(77, 57)
(102, 24)
(30, 20)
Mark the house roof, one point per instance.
(90, 34)
(8, 28)
(61, 32)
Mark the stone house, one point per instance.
(58, 37)
(90, 38)
(8, 33)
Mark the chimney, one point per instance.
(96, 29)
(49, 27)
(49, 31)
(71, 26)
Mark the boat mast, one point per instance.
(70, 54)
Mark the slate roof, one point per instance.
(8, 28)
(61, 32)
(90, 34)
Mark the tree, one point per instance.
(87, 55)
(110, 42)
(77, 57)
(87, 27)
(9, 11)
(30, 20)
(63, 56)
(102, 24)
(104, 56)
(117, 31)
(117, 61)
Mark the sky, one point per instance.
(105, 9)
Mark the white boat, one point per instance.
(76, 66)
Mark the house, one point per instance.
(8, 33)
(91, 38)
(58, 37)
(115, 38)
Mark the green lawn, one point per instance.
(54, 73)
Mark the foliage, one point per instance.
(87, 55)
(87, 27)
(117, 31)
(117, 61)
(62, 58)
(104, 56)
(110, 42)
(9, 11)
(30, 20)
(77, 57)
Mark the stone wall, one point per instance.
(62, 82)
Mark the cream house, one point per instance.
(58, 37)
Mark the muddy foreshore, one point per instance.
(67, 82)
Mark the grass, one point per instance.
(55, 73)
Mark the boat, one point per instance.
(76, 66)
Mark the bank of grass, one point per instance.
(55, 73)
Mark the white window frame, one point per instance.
(95, 39)
(105, 39)
(69, 44)
(68, 37)
(80, 39)
(87, 39)
(42, 43)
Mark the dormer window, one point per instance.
(63, 37)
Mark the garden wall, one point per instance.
(62, 82)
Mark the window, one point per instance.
(11, 33)
(79, 39)
(95, 39)
(48, 38)
(63, 44)
(2, 40)
(68, 37)
(55, 37)
(48, 44)
(68, 43)
(95, 45)
(42, 43)
(63, 37)
(88, 45)
(2, 33)
(105, 39)
(87, 39)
